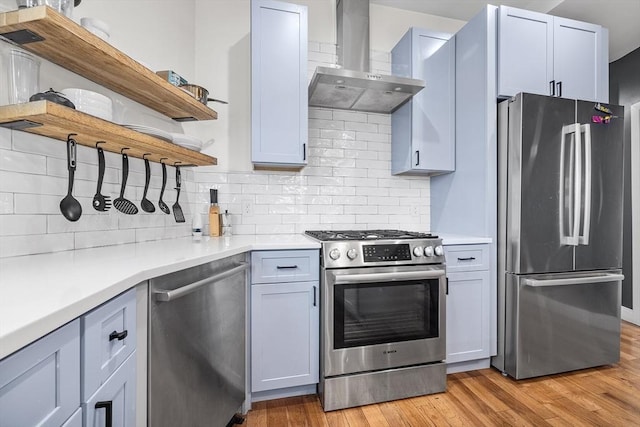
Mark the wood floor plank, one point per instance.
(392, 414)
(374, 416)
(604, 396)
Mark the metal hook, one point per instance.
(122, 150)
(69, 137)
(100, 142)
(163, 158)
(146, 154)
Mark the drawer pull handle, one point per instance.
(284, 267)
(108, 405)
(314, 296)
(118, 335)
(471, 258)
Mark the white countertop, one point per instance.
(459, 239)
(40, 293)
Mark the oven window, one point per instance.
(378, 313)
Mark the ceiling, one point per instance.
(621, 17)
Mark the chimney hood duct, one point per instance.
(353, 87)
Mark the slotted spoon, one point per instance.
(161, 204)
(123, 205)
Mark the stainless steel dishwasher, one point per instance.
(196, 356)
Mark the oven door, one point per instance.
(382, 317)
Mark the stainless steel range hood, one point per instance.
(353, 87)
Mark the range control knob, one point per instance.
(439, 251)
(417, 251)
(428, 251)
(352, 254)
(334, 254)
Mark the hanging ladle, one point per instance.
(146, 204)
(69, 206)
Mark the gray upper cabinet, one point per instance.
(549, 55)
(279, 96)
(423, 129)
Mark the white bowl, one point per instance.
(104, 36)
(90, 102)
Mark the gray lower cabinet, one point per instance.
(284, 319)
(85, 369)
(468, 306)
(115, 400)
(108, 362)
(40, 384)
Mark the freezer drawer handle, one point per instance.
(603, 278)
(470, 258)
(388, 277)
(286, 267)
(166, 296)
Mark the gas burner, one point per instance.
(330, 235)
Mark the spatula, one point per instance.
(177, 210)
(123, 205)
(101, 203)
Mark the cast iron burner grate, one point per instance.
(327, 235)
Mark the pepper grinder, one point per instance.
(214, 214)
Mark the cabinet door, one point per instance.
(525, 52)
(414, 126)
(468, 334)
(40, 384)
(115, 399)
(436, 146)
(284, 335)
(577, 58)
(108, 338)
(279, 96)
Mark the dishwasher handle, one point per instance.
(167, 296)
(601, 278)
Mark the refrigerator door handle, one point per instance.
(599, 278)
(583, 239)
(575, 174)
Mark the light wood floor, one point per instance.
(606, 396)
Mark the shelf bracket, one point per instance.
(23, 36)
(20, 124)
(185, 119)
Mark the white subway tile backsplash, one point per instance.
(5, 138)
(382, 119)
(320, 113)
(16, 225)
(15, 161)
(6, 204)
(34, 244)
(350, 116)
(90, 239)
(337, 134)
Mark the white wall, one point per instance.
(347, 183)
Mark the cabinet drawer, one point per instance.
(117, 396)
(40, 384)
(109, 337)
(467, 257)
(285, 266)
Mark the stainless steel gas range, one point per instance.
(382, 316)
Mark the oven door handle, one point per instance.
(345, 279)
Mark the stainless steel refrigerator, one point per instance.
(559, 235)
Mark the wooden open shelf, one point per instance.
(55, 37)
(57, 121)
